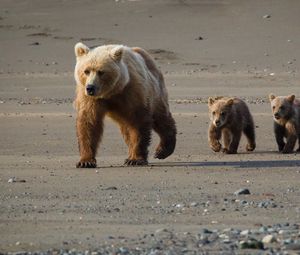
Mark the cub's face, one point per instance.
(219, 110)
(100, 71)
(281, 106)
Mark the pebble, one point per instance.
(267, 16)
(179, 205)
(251, 244)
(205, 231)
(263, 229)
(11, 180)
(245, 232)
(194, 204)
(243, 191)
(269, 239)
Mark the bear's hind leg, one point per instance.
(164, 125)
(138, 147)
(249, 132)
(125, 130)
(291, 138)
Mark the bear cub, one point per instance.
(126, 85)
(230, 117)
(286, 115)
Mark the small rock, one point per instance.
(251, 244)
(194, 204)
(11, 180)
(199, 38)
(267, 16)
(123, 250)
(269, 239)
(242, 192)
(111, 188)
(205, 231)
(35, 43)
(245, 232)
(263, 229)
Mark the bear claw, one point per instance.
(135, 162)
(86, 164)
(250, 147)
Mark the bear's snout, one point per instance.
(90, 90)
(217, 123)
(276, 115)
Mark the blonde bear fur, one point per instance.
(125, 84)
(286, 115)
(229, 118)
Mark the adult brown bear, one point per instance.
(125, 84)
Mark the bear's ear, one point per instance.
(81, 49)
(116, 53)
(271, 97)
(210, 101)
(230, 102)
(291, 98)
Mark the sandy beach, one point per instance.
(204, 48)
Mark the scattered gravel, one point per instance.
(283, 239)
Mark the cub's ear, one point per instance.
(81, 49)
(230, 102)
(271, 97)
(210, 101)
(116, 53)
(291, 98)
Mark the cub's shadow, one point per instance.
(236, 164)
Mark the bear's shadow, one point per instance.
(235, 164)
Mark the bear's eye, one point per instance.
(87, 72)
(213, 113)
(223, 114)
(273, 107)
(100, 73)
(281, 108)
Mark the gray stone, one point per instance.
(268, 239)
(243, 191)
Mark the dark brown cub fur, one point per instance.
(230, 117)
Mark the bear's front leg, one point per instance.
(279, 135)
(235, 141)
(89, 132)
(214, 135)
(226, 134)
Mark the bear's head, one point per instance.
(101, 71)
(219, 110)
(282, 107)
